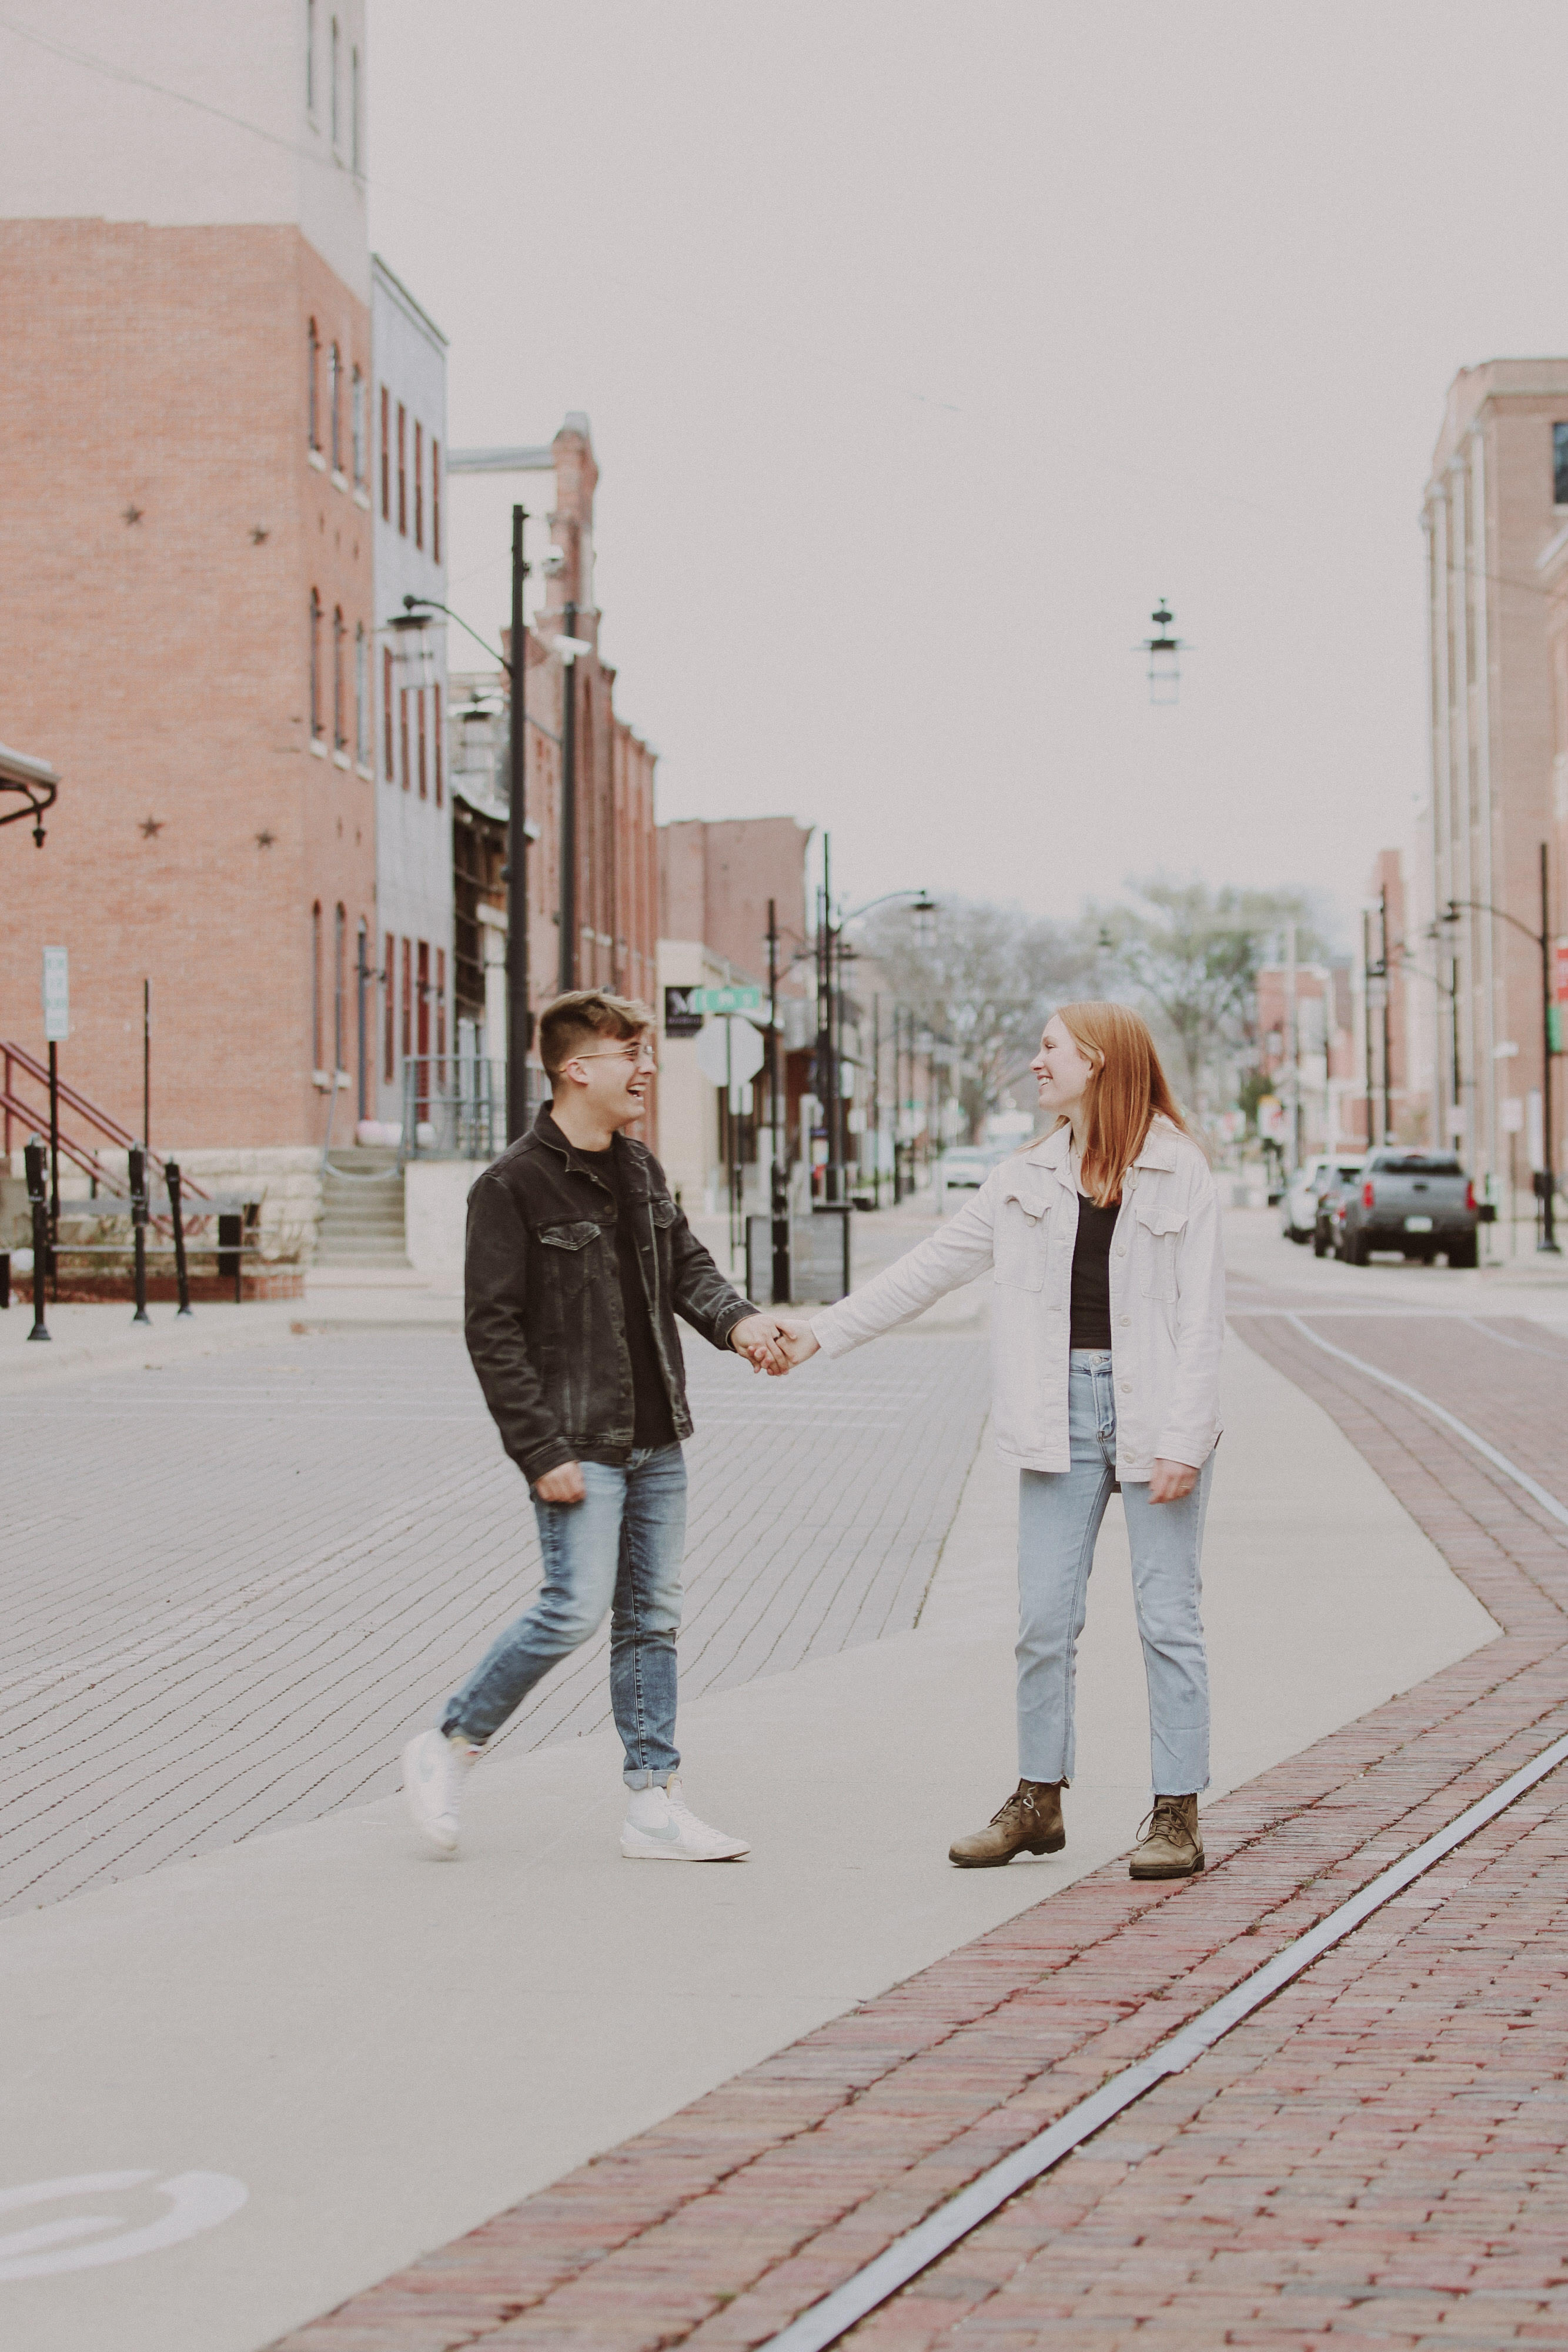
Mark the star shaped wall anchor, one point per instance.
(151, 826)
(257, 535)
(263, 840)
(131, 514)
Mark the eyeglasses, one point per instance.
(641, 1056)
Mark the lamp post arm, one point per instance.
(1480, 907)
(430, 603)
(855, 913)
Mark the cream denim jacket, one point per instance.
(1168, 1301)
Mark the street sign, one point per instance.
(730, 1052)
(57, 996)
(1559, 970)
(724, 1000)
(681, 1017)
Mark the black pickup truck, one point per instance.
(1416, 1203)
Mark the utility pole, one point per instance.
(778, 1188)
(827, 1076)
(1549, 1203)
(519, 1017)
(1366, 1016)
(569, 811)
(877, 1098)
(1294, 1047)
(1387, 1022)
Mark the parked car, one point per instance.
(1416, 1203)
(1340, 1178)
(1299, 1201)
(962, 1170)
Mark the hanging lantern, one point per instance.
(1164, 650)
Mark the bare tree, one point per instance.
(1194, 953)
(985, 983)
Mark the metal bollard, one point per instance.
(38, 1200)
(138, 1228)
(181, 1277)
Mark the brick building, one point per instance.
(1496, 519)
(185, 553)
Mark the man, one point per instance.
(578, 1263)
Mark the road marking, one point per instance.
(907, 2257)
(1439, 1412)
(197, 2201)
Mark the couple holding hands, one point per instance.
(1102, 1239)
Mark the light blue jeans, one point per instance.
(1060, 1513)
(620, 1548)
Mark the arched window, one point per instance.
(339, 934)
(361, 696)
(313, 382)
(335, 394)
(315, 667)
(387, 700)
(311, 56)
(316, 1039)
(340, 705)
(334, 89)
(357, 410)
(354, 108)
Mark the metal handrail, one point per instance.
(39, 1072)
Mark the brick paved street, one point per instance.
(235, 1588)
(1377, 2157)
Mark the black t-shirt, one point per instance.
(653, 1423)
(1091, 1322)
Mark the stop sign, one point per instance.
(730, 1051)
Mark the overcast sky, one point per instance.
(927, 346)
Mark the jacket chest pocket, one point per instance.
(567, 1246)
(1019, 1245)
(1159, 1232)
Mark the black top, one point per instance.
(653, 1423)
(1090, 1323)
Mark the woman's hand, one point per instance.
(798, 1339)
(1171, 1481)
(759, 1338)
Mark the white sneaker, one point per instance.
(433, 1770)
(660, 1826)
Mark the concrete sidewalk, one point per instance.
(383, 2050)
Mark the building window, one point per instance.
(339, 934)
(423, 1006)
(389, 1041)
(334, 89)
(335, 394)
(435, 501)
(339, 698)
(387, 700)
(407, 1000)
(386, 457)
(315, 665)
(354, 108)
(419, 486)
(313, 382)
(424, 789)
(403, 469)
(403, 731)
(361, 696)
(316, 1063)
(310, 57)
(441, 1011)
(1560, 465)
(357, 416)
(435, 698)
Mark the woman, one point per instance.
(1102, 1240)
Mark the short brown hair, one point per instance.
(566, 1025)
(1127, 1093)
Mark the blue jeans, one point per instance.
(620, 1548)
(1060, 1513)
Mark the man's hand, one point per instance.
(798, 1340)
(564, 1484)
(1171, 1481)
(759, 1338)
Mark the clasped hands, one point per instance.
(774, 1344)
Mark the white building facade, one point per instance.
(413, 951)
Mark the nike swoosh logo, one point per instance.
(669, 1833)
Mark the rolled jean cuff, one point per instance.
(644, 1775)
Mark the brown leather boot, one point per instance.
(1029, 1822)
(1171, 1845)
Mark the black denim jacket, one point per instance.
(544, 1319)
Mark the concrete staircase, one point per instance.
(362, 1209)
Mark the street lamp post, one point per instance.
(520, 1013)
(1542, 939)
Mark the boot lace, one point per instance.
(1164, 1817)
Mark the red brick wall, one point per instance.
(161, 664)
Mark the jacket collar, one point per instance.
(630, 1168)
(1052, 1151)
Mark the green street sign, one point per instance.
(724, 1000)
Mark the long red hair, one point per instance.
(1128, 1091)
